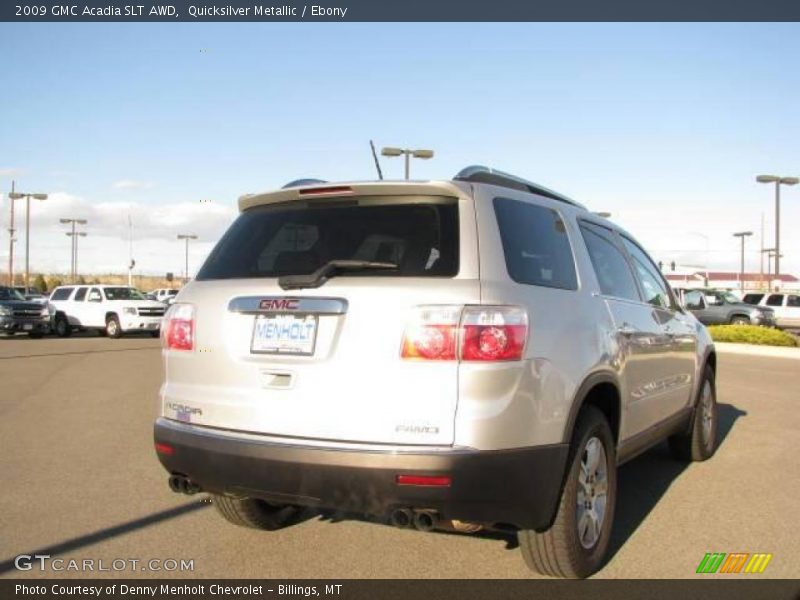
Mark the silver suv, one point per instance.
(481, 353)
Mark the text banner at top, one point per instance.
(402, 10)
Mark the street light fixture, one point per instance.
(778, 181)
(741, 235)
(74, 251)
(186, 237)
(392, 151)
(19, 196)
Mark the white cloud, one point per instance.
(11, 172)
(131, 184)
(105, 249)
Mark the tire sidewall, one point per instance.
(590, 559)
(113, 329)
(62, 327)
(704, 448)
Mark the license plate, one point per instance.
(284, 334)
(27, 327)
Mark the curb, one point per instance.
(755, 350)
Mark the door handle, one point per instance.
(626, 330)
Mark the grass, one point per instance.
(751, 334)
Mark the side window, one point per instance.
(61, 294)
(653, 285)
(95, 296)
(613, 273)
(752, 298)
(80, 295)
(775, 300)
(793, 301)
(535, 244)
(694, 300)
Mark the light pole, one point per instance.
(19, 196)
(73, 267)
(391, 151)
(186, 237)
(11, 239)
(742, 235)
(777, 181)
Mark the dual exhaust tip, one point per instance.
(181, 484)
(423, 520)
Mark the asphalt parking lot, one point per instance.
(80, 480)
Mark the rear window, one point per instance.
(420, 237)
(535, 244)
(775, 300)
(61, 294)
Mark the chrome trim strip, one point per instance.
(288, 304)
(305, 443)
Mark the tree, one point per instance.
(40, 284)
(81, 280)
(53, 283)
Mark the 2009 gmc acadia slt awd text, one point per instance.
(466, 354)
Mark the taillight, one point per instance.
(432, 333)
(472, 333)
(493, 333)
(178, 333)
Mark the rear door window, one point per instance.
(420, 237)
(775, 300)
(535, 244)
(610, 265)
(793, 301)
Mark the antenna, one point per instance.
(375, 156)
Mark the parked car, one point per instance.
(165, 295)
(714, 307)
(110, 309)
(465, 354)
(18, 315)
(785, 306)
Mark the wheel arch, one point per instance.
(600, 389)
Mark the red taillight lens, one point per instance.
(179, 330)
(493, 333)
(425, 480)
(472, 333)
(431, 333)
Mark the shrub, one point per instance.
(751, 334)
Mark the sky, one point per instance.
(663, 125)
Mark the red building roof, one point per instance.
(730, 276)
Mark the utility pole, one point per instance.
(11, 239)
(741, 235)
(73, 267)
(186, 237)
(18, 196)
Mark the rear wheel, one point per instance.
(113, 329)
(155, 334)
(62, 327)
(252, 512)
(700, 442)
(575, 545)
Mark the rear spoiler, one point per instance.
(350, 189)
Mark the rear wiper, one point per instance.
(328, 270)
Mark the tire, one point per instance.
(113, 328)
(155, 334)
(62, 327)
(740, 320)
(700, 442)
(253, 513)
(563, 551)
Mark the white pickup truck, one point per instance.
(110, 309)
(165, 295)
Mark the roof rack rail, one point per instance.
(302, 182)
(481, 174)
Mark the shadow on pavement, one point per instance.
(104, 534)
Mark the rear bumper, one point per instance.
(518, 487)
